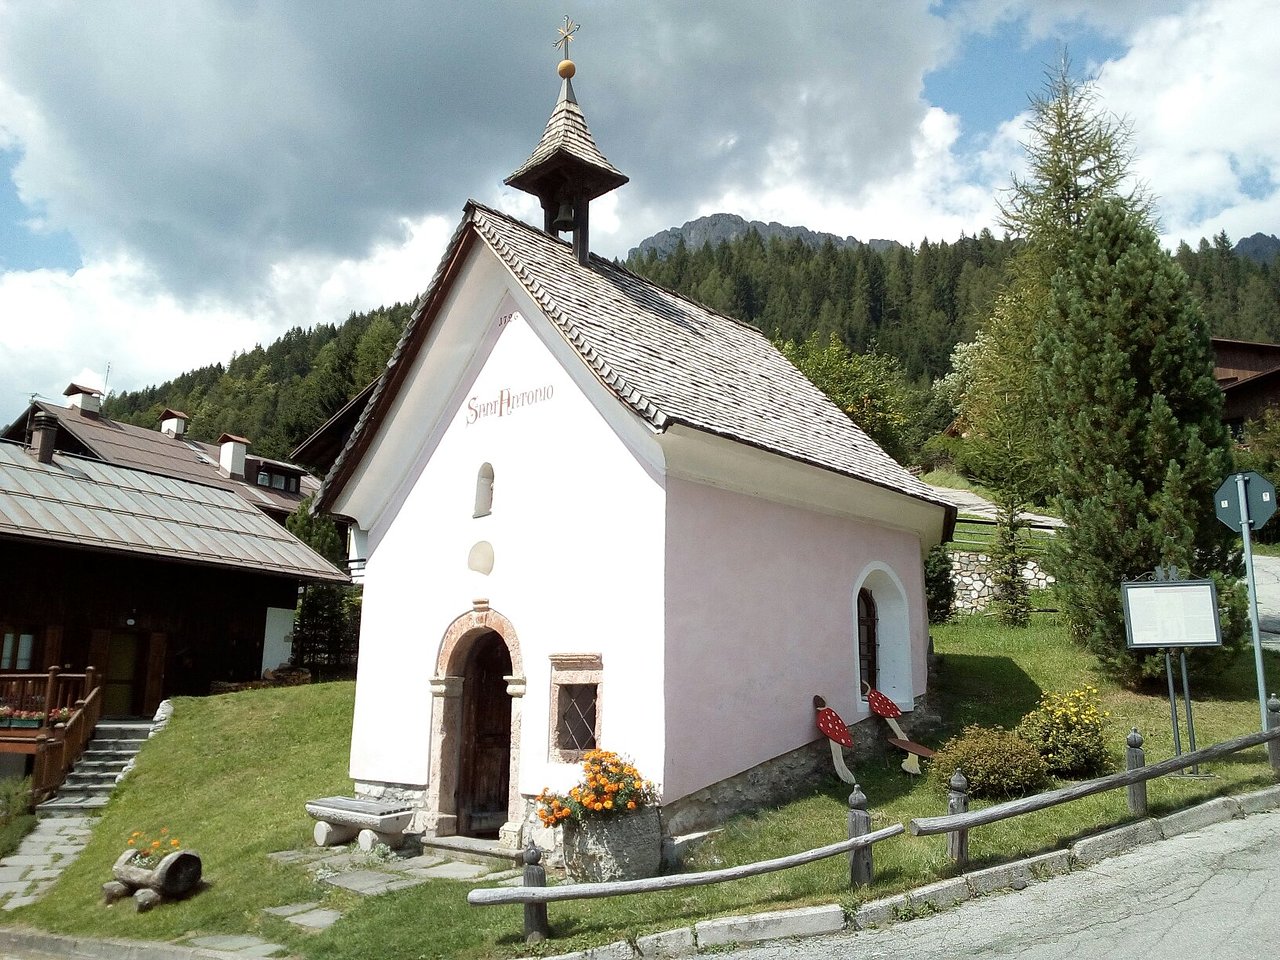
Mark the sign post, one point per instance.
(1243, 502)
(1171, 612)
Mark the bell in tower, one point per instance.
(566, 170)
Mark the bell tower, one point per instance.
(566, 170)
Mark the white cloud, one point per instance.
(937, 194)
(117, 311)
(1198, 89)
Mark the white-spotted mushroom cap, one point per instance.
(829, 723)
(881, 705)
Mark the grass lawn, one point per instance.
(231, 773)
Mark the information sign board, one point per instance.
(1179, 613)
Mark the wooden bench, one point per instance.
(339, 819)
(913, 750)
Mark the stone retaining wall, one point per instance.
(971, 575)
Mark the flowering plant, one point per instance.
(151, 850)
(610, 785)
(60, 715)
(6, 711)
(1067, 729)
(28, 714)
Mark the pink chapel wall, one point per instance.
(760, 617)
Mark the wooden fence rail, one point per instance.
(535, 895)
(493, 896)
(958, 822)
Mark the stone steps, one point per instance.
(89, 784)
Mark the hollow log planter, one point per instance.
(175, 877)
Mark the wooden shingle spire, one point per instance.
(566, 170)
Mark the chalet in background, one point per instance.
(163, 579)
(1249, 375)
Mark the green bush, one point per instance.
(997, 763)
(16, 819)
(939, 590)
(1067, 729)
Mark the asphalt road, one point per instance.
(1266, 579)
(1212, 893)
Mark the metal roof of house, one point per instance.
(669, 359)
(81, 502)
(127, 445)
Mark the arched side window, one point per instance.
(484, 491)
(868, 661)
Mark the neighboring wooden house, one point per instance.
(1249, 375)
(273, 486)
(596, 513)
(161, 585)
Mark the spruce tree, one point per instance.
(1136, 437)
(1077, 154)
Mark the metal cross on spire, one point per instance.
(566, 36)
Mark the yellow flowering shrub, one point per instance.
(610, 786)
(1068, 731)
(151, 850)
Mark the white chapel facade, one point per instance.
(595, 513)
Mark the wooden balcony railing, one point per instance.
(32, 707)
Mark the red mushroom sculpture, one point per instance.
(882, 706)
(837, 733)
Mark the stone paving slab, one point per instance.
(289, 909)
(316, 919)
(410, 864)
(455, 870)
(370, 883)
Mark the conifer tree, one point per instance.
(1077, 154)
(1136, 437)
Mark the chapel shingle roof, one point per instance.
(671, 360)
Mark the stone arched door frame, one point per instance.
(446, 721)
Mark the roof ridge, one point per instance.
(614, 265)
(627, 392)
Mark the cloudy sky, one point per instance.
(181, 179)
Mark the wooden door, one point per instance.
(120, 680)
(485, 771)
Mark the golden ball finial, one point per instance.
(566, 69)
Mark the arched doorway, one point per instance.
(484, 774)
(478, 691)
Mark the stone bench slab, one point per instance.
(338, 819)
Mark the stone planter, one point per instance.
(622, 847)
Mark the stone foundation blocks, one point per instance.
(807, 921)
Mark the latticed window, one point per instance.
(575, 705)
(868, 645)
(577, 727)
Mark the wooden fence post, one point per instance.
(1135, 758)
(1273, 721)
(958, 802)
(536, 928)
(860, 868)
